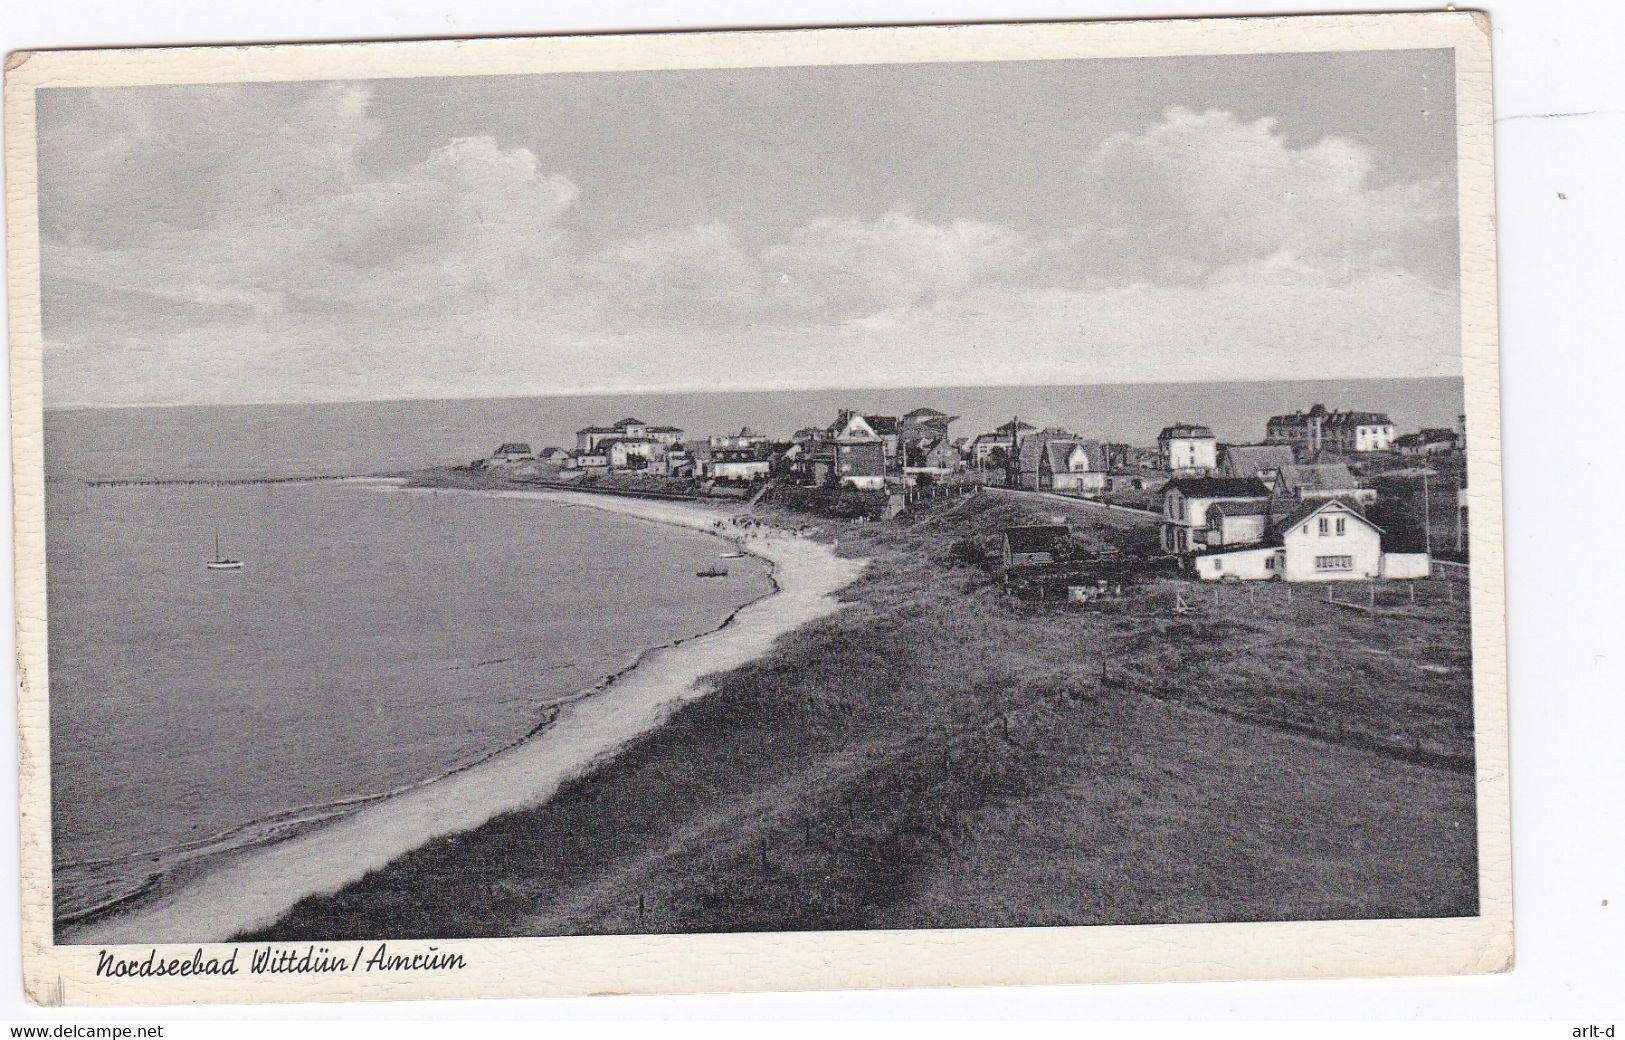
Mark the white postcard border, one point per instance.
(58, 975)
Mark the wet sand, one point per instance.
(256, 887)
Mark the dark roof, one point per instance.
(922, 413)
(1259, 508)
(1036, 538)
(596, 429)
(624, 423)
(1007, 427)
(1310, 508)
(882, 424)
(1060, 453)
(1246, 460)
(514, 448)
(1332, 418)
(1184, 430)
(665, 429)
(1320, 476)
(1218, 487)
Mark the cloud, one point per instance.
(119, 165)
(857, 268)
(1201, 247)
(1199, 191)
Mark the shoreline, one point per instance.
(254, 886)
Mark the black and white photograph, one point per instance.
(910, 492)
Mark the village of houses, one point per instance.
(1302, 504)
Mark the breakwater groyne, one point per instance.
(233, 481)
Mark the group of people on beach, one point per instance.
(754, 527)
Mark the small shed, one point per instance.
(1036, 544)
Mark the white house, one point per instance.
(666, 435)
(1186, 502)
(630, 452)
(1322, 540)
(1060, 463)
(1187, 447)
(1236, 523)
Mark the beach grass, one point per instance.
(940, 754)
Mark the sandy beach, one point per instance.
(254, 888)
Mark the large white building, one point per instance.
(1187, 448)
(1320, 429)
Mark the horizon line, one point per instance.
(679, 391)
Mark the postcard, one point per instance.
(880, 507)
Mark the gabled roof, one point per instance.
(925, 413)
(624, 423)
(844, 422)
(514, 448)
(1034, 446)
(1246, 460)
(1311, 509)
(1319, 476)
(1060, 454)
(882, 424)
(1036, 538)
(1218, 487)
(596, 429)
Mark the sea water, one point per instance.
(375, 638)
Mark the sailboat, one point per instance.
(220, 563)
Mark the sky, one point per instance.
(1046, 222)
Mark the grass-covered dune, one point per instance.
(940, 754)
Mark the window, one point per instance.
(1334, 563)
(1342, 525)
(1218, 563)
(1269, 563)
(1325, 525)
